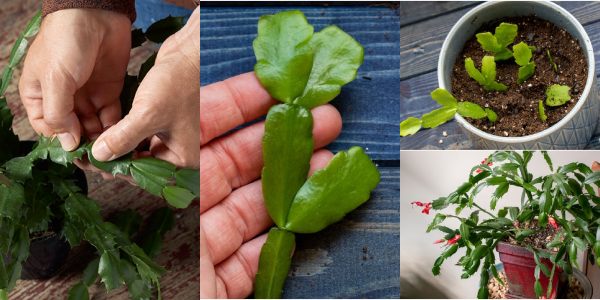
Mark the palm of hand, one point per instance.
(232, 211)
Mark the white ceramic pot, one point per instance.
(575, 130)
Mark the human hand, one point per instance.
(73, 73)
(166, 107)
(232, 210)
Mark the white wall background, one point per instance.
(427, 175)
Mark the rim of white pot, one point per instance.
(587, 48)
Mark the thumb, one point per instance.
(124, 136)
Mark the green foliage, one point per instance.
(160, 30)
(523, 55)
(554, 66)
(450, 106)
(498, 42)
(286, 160)
(557, 95)
(410, 126)
(542, 111)
(283, 54)
(297, 66)
(330, 193)
(39, 187)
(274, 264)
(487, 76)
(566, 196)
(303, 70)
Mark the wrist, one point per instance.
(125, 7)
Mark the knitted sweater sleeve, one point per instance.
(126, 7)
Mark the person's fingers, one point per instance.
(235, 276)
(208, 287)
(124, 136)
(319, 160)
(227, 104)
(235, 220)
(87, 116)
(110, 114)
(33, 107)
(242, 215)
(236, 159)
(59, 111)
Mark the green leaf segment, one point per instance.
(38, 188)
(498, 42)
(522, 53)
(303, 70)
(487, 76)
(450, 106)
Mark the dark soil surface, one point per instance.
(517, 108)
(539, 239)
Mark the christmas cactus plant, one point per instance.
(40, 193)
(558, 215)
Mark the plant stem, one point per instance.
(485, 211)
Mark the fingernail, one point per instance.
(67, 141)
(101, 152)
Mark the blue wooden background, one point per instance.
(358, 257)
(424, 26)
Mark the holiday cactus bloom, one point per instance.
(561, 205)
(426, 206)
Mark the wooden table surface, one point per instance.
(359, 256)
(180, 252)
(424, 26)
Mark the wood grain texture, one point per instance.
(359, 256)
(421, 41)
(180, 252)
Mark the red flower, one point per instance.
(417, 203)
(478, 171)
(439, 241)
(552, 222)
(453, 240)
(427, 208)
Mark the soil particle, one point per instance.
(517, 108)
(539, 239)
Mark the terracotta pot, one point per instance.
(519, 266)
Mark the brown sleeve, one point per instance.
(126, 7)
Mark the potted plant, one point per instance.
(515, 83)
(537, 240)
(44, 208)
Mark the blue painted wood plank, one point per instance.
(421, 42)
(420, 46)
(369, 105)
(416, 11)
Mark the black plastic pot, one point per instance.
(49, 250)
(46, 255)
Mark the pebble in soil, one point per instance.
(517, 108)
(498, 291)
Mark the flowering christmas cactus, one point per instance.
(558, 215)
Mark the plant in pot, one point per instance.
(44, 208)
(516, 75)
(537, 240)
